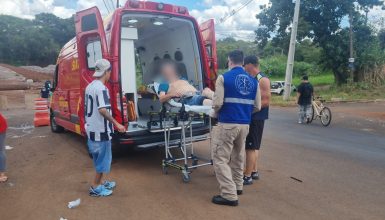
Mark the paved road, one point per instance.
(338, 171)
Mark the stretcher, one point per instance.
(180, 154)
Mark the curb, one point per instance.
(291, 104)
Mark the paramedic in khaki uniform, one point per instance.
(236, 97)
(99, 127)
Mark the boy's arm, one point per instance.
(103, 111)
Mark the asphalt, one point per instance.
(307, 172)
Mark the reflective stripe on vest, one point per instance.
(239, 101)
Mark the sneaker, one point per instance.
(307, 120)
(99, 191)
(247, 180)
(300, 122)
(110, 185)
(255, 175)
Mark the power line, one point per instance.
(113, 5)
(106, 6)
(234, 11)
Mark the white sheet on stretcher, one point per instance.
(173, 103)
(191, 108)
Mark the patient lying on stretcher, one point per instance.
(174, 87)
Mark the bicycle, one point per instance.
(319, 110)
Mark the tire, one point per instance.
(55, 127)
(326, 116)
(312, 115)
(281, 92)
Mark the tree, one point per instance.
(33, 42)
(321, 21)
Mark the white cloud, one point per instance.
(28, 9)
(240, 26)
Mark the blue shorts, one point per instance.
(101, 155)
(194, 100)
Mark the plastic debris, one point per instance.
(8, 147)
(74, 204)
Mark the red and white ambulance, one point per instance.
(131, 38)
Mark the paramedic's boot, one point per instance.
(219, 200)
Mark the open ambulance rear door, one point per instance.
(91, 46)
(208, 33)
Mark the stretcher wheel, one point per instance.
(186, 177)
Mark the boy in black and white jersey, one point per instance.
(99, 127)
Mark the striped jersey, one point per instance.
(96, 97)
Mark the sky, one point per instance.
(240, 26)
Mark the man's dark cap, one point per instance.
(251, 60)
(305, 77)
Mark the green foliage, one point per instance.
(226, 45)
(33, 42)
(275, 66)
(320, 21)
(326, 78)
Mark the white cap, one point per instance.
(101, 66)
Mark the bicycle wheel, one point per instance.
(312, 115)
(326, 116)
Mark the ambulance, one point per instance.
(132, 38)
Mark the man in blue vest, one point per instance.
(236, 97)
(254, 138)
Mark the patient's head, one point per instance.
(168, 70)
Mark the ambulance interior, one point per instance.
(146, 38)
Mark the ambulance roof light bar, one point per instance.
(156, 6)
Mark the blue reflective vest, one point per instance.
(239, 97)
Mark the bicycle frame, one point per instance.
(317, 108)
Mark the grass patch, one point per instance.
(348, 92)
(354, 91)
(316, 80)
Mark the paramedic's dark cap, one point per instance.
(251, 60)
(101, 66)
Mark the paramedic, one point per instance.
(99, 127)
(175, 87)
(236, 96)
(253, 140)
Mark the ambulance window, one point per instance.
(94, 53)
(89, 22)
(209, 50)
(54, 84)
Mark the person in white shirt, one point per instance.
(99, 127)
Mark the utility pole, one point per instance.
(351, 52)
(290, 57)
(117, 3)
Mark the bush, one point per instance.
(275, 66)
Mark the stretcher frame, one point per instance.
(190, 161)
